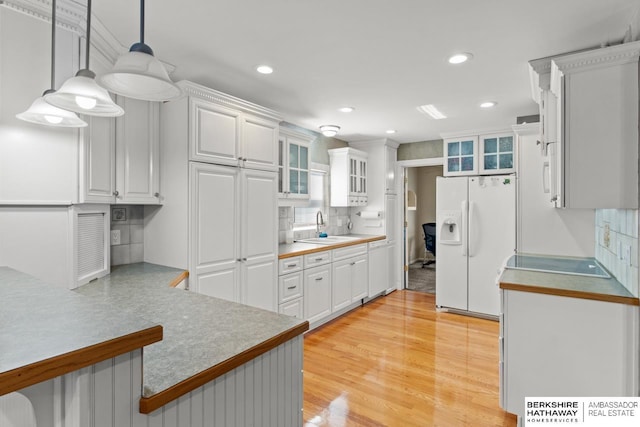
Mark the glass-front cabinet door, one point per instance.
(461, 156)
(298, 170)
(497, 154)
(293, 167)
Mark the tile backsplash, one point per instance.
(617, 244)
(129, 220)
(332, 217)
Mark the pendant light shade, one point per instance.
(42, 113)
(138, 74)
(81, 93)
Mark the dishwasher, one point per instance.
(378, 268)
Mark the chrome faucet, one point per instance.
(319, 222)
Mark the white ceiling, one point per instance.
(383, 57)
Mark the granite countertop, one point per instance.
(47, 331)
(585, 287)
(288, 250)
(201, 333)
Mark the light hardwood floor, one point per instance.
(397, 362)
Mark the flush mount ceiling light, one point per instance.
(264, 69)
(460, 58)
(138, 74)
(329, 130)
(431, 111)
(46, 114)
(391, 131)
(81, 93)
(346, 109)
(488, 104)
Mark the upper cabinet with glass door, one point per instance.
(293, 167)
(497, 154)
(484, 154)
(461, 156)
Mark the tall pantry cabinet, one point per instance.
(224, 228)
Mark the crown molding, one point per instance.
(71, 15)
(603, 57)
(203, 92)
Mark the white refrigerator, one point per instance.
(475, 233)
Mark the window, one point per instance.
(306, 217)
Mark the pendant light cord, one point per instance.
(142, 21)
(53, 44)
(88, 34)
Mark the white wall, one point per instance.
(543, 229)
(38, 164)
(36, 241)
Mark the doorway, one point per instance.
(420, 208)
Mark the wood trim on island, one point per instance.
(175, 282)
(34, 373)
(156, 401)
(619, 299)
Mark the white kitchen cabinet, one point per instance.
(317, 293)
(563, 346)
(349, 178)
(497, 154)
(228, 131)
(138, 152)
(390, 160)
(293, 166)
(349, 282)
(294, 308)
(233, 234)
(119, 159)
(479, 154)
(350, 276)
(461, 156)
(596, 125)
(290, 287)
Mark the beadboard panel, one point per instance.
(266, 391)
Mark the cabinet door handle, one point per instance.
(116, 193)
(353, 263)
(156, 194)
(318, 279)
(292, 287)
(319, 259)
(292, 265)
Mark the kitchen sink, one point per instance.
(329, 240)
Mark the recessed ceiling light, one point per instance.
(488, 104)
(390, 131)
(459, 58)
(346, 109)
(432, 111)
(264, 69)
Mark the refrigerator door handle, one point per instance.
(470, 228)
(463, 237)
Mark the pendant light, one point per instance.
(46, 114)
(81, 93)
(138, 74)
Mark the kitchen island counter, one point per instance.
(594, 288)
(47, 331)
(204, 337)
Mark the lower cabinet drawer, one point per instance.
(293, 308)
(290, 286)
